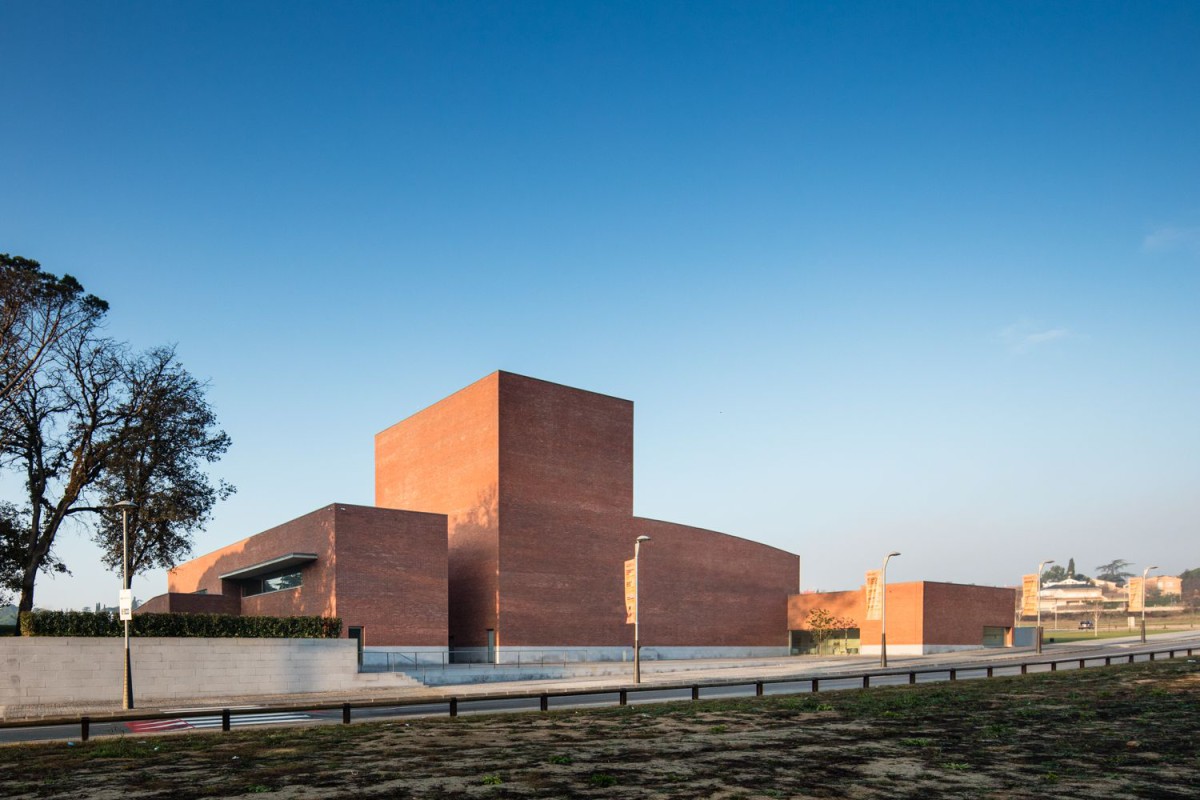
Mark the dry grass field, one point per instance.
(1128, 731)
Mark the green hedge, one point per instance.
(218, 626)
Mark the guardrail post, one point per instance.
(1151, 655)
(866, 681)
(1081, 666)
(544, 702)
(695, 691)
(953, 674)
(816, 685)
(1131, 658)
(1108, 661)
(345, 713)
(624, 698)
(225, 719)
(758, 689)
(989, 673)
(85, 728)
(1024, 669)
(912, 677)
(454, 706)
(1170, 654)
(1054, 666)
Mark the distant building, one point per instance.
(1071, 595)
(1164, 584)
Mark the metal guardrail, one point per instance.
(622, 692)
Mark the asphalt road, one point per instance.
(968, 666)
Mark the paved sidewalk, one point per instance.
(661, 673)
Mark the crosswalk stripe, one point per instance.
(235, 720)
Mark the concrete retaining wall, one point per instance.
(48, 671)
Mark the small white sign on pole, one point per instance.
(126, 604)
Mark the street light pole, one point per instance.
(127, 687)
(1145, 573)
(1041, 566)
(883, 610)
(637, 608)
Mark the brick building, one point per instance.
(382, 571)
(922, 617)
(537, 481)
(503, 518)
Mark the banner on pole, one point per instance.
(874, 594)
(630, 591)
(1029, 595)
(1137, 594)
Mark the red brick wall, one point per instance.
(564, 448)
(919, 612)
(391, 575)
(956, 613)
(172, 603)
(904, 612)
(537, 480)
(703, 588)
(445, 460)
(311, 533)
(388, 574)
(566, 500)
(849, 604)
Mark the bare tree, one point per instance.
(60, 429)
(169, 431)
(86, 424)
(37, 309)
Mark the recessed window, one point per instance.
(272, 582)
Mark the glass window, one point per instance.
(273, 582)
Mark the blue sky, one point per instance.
(912, 276)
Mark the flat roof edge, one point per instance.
(270, 565)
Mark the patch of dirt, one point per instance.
(1125, 731)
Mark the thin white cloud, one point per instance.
(1023, 336)
(1169, 238)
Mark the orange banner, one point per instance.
(874, 595)
(630, 591)
(1029, 595)
(1137, 594)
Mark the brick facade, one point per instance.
(378, 569)
(504, 514)
(537, 481)
(922, 616)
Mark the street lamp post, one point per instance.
(1145, 574)
(1041, 566)
(127, 687)
(883, 610)
(637, 608)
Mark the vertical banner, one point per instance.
(1029, 595)
(630, 591)
(1137, 594)
(874, 595)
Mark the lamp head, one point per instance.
(641, 539)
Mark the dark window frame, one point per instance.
(262, 584)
